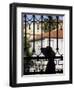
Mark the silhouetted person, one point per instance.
(48, 52)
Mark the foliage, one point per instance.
(27, 47)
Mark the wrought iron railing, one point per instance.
(32, 23)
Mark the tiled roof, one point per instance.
(53, 34)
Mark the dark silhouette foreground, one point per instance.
(48, 52)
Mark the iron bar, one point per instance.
(41, 30)
(49, 25)
(33, 33)
(56, 57)
(57, 34)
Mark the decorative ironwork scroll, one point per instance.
(39, 32)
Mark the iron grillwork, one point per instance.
(35, 29)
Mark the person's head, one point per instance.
(48, 52)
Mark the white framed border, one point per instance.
(43, 78)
